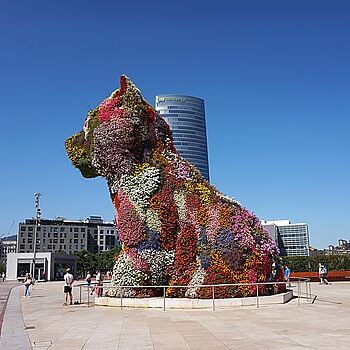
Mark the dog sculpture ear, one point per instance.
(79, 147)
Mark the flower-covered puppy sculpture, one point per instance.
(175, 228)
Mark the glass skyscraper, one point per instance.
(186, 118)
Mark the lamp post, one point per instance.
(37, 223)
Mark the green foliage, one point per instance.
(2, 267)
(310, 263)
(92, 262)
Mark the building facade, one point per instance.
(66, 236)
(186, 118)
(7, 245)
(292, 239)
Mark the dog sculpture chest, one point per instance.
(175, 228)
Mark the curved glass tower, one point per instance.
(186, 118)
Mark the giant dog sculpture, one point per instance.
(175, 228)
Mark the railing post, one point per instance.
(213, 292)
(163, 298)
(310, 289)
(257, 296)
(88, 297)
(121, 298)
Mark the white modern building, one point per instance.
(186, 118)
(7, 245)
(48, 266)
(292, 239)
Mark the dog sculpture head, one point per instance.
(121, 132)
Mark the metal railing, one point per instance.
(303, 290)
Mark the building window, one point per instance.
(23, 228)
(76, 235)
(62, 229)
(61, 240)
(55, 235)
(76, 229)
(76, 241)
(30, 228)
(82, 229)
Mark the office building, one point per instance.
(292, 239)
(67, 236)
(186, 118)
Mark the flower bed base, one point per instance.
(185, 303)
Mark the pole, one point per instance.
(213, 291)
(37, 218)
(257, 296)
(299, 292)
(163, 298)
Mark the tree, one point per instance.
(91, 262)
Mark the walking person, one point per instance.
(323, 272)
(68, 282)
(3, 276)
(287, 275)
(28, 281)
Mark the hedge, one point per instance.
(310, 263)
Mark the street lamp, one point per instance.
(37, 223)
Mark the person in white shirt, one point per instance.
(68, 282)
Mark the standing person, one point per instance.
(98, 283)
(287, 274)
(88, 280)
(3, 276)
(68, 282)
(27, 283)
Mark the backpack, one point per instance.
(324, 270)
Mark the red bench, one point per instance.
(332, 275)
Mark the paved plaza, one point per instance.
(47, 324)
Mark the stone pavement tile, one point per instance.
(204, 342)
(132, 343)
(169, 341)
(244, 343)
(94, 344)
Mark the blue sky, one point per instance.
(274, 74)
